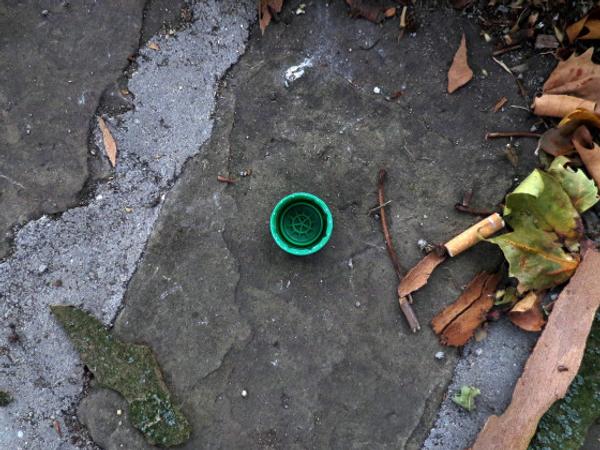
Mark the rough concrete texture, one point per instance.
(88, 254)
(57, 58)
(492, 365)
(318, 344)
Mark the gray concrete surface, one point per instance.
(87, 255)
(493, 366)
(318, 343)
(57, 58)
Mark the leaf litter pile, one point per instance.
(541, 234)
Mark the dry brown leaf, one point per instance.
(588, 151)
(557, 141)
(417, 277)
(153, 46)
(471, 293)
(590, 22)
(266, 9)
(578, 77)
(499, 104)
(560, 105)
(390, 12)
(110, 146)
(368, 10)
(462, 328)
(561, 344)
(460, 4)
(527, 314)
(460, 73)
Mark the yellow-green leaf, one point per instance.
(536, 257)
(541, 202)
(581, 189)
(466, 397)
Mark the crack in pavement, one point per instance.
(87, 256)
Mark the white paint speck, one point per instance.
(377, 90)
(440, 355)
(244, 393)
(295, 72)
(20, 434)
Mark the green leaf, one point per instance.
(581, 189)
(536, 258)
(541, 202)
(466, 397)
(131, 370)
(509, 296)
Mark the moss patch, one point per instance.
(5, 398)
(131, 370)
(565, 424)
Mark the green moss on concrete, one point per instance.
(565, 424)
(131, 370)
(5, 398)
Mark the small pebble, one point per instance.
(357, 304)
(376, 90)
(42, 268)
(440, 355)
(244, 393)
(45, 12)
(119, 412)
(20, 434)
(478, 352)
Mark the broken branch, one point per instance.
(508, 134)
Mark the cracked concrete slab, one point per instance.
(318, 344)
(87, 255)
(57, 59)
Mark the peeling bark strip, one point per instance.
(458, 322)
(544, 379)
(417, 277)
(403, 300)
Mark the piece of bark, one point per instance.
(560, 105)
(527, 314)
(471, 293)
(471, 236)
(110, 145)
(588, 151)
(561, 344)
(461, 329)
(460, 73)
(266, 9)
(417, 277)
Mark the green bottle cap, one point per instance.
(301, 224)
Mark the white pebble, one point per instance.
(376, 90)
(478, 352)
(244, 393)
(20, 434)
(119, 412)
(440, 355)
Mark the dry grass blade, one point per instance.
(110, 145)
(553, 363)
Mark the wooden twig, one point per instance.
(223, 179)
(473, 211)
(378, 207)
(505, 134)
(504, 50)
(404, 302)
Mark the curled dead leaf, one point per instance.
(460, 73)
(266, 9)
(110, 145)
(577, 76)
(560, 105)
(527, 314)
(557, 141)
(417, 277)
(462, 323)
(588, 27)
(588, 151)
(153, 46)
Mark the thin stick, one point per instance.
(504, 50)
(377, 208)
(474, 212)
(223, 179)
(505, 134)
(404, 302)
